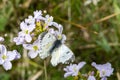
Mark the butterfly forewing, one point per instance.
(46, 44)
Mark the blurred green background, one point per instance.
(93, 34)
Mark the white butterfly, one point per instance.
(59, 52)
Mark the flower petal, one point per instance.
(60, 28)
(3, 49)
(81, 64)
(67, 74)
(31, 27)
(32, 54)
(28, 46)
(1, 60)
(7, 65)
(91, 78)
(28, 38)
(30, 20)
(19, 40)
(23, 25)
(17, 56)
(63, 38)
(37, 14)
(10, 55)
(55, 24)
(104, 78)
(51, 30)
(1, 39)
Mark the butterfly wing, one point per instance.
(46, 44)
(62, 54)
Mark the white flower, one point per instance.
(51, 30)
(34, 49)
(48, 21)
(1, 39)
(17, 55)
(38, 15)
(19, 40)
(73, 69)
(6, 57)
(26, 30)
(30, 20)
(91, 78)
(59, 34)
(58, 26)
(105, 70)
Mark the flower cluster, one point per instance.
(31, 30)
(7, 56)
(104, 71)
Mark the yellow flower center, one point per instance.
(35, 48)
(4, 57)
(26, 31)
(103, 72)
(75, 69)
(49, 20)
(59, 37)
(44, 28)
(38, 23)
(39, 27)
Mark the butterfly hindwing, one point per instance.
(62, 54)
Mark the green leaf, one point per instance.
(5, 15)
(4, 76)
(104, 43)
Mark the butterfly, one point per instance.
(59, 52)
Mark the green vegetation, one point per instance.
(93, 34)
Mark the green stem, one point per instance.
(45, 69)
